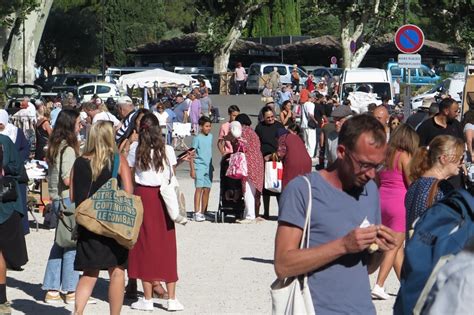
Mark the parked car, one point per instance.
(257, 70)
(200, 73)
(102, 89)
(68, 82)
(15, 93)
(420, 76)
(363, 86)
(319, 72)
(453, 86)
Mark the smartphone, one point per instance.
(182, 155)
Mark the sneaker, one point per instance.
(143, 305)
(5, 308)
(199, 217)
(181, 220)
(379, 293)
(160, 298)
(53, 298)
(71, 299)
(175, 305)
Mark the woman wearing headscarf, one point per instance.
(12, 240)
(17, 136)
(293, 154)
(247, 141)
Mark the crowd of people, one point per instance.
(371, 167)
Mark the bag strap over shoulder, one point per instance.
(307, 224)
(116, 165)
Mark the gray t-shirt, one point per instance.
(342, 286)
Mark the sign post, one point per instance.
(333, 62)
(409, 39)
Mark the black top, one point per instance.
(319, 112)
(416, 118)
(268, 135)
(93, 251)
(41, 141)
(430, 129)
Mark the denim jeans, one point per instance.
(60, 273)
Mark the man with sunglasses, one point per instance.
(345, 222)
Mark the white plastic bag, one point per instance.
(273, 176)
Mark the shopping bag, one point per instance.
(273, 176)
(112, 212)
(237, 166)
(65, 231)
(172, 196)
(292, 295)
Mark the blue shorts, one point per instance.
(203, 178)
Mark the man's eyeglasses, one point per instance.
(365, 166)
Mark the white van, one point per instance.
(257, 70)
(363, 86)
(452, 86)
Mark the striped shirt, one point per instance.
(123, 132)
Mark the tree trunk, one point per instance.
(34, 26)
(221, 59)
(469, 54)
(345, 45)
(359, 55)
(221, 62)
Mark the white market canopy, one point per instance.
(149, 77)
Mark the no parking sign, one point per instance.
(409, 39)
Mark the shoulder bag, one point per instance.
(112, 212)
(171, 195)
(8, 188)
(292, 296)
(312, 124)
(66, 230)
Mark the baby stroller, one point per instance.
(231, 201)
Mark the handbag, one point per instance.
(112, 212)
(273, 175)
(237, 164)
(65, 231)
(169, 190)
(8, 192)
(312, 124)
(292, 296)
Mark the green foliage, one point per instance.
(21, 7)
(277, 17)
(74, 46)
(452, 21)
(222, 16)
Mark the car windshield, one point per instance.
(381, 89)
(335, 71)
(18, 92)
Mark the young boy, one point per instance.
(201, 168)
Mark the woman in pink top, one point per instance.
(394, 181)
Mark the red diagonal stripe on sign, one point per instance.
(409, 39)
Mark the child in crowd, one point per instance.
(201, 169)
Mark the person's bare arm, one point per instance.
(405, 159)
(385, 241)
(125, 175)
(71, 194)
(469, 134)
(292, 261)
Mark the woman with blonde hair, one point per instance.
(394, 181)
(96, 252)
(429, 169)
